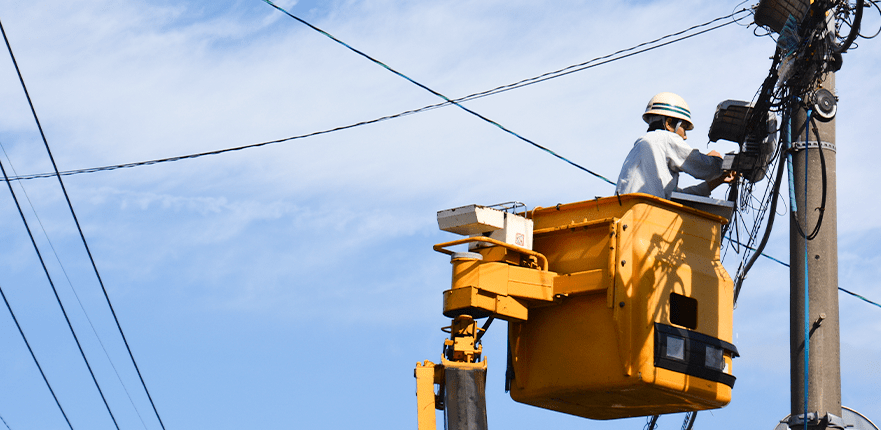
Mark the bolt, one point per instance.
(621, 305)
(624, 227)
(623, 262)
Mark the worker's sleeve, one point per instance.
(701, 189)
(702, 166)
(683, 158)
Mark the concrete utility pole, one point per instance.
(820, 277)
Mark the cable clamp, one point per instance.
(829, 421)
(798, 146)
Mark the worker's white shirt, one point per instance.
(654, 163)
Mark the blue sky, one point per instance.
(294, 285)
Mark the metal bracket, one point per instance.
(814, 419)
(798, 146)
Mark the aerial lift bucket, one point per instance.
(644, 321)
(620, 307)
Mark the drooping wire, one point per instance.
(72, 289)
(37, 362)
(875, 4)
(85, 245)
(54, 290)
(503, 88)
(4, 423)
(854, 28)
(822, 208)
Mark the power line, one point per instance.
(85, 244)
(54, 290)
(72, 289)
(595, 62)
(859, 297)
(443, 97)
(28, 344)
(787, 265)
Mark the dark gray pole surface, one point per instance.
(824, 370)
(465, 399)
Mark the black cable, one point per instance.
(653, 422)
(20, 331)
(854, 28)
(483, 329)
(874, 3)
(54, 290)
(85, 244)
(691, 421)
(767, 235)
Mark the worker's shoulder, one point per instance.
(659, 138)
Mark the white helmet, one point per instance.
(671, 105)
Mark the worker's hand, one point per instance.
(724, 179)
(714, 153)
(730, 176)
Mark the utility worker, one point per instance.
(654, 163)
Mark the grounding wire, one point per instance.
(85, 245)
(72, 289)
(544, 77)
(37, 362)
(443, 97)
(54, 290)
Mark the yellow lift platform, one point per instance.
(616, 307)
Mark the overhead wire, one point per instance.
(55, 291)
(446, 102)
(598, 61)
(34, 356)
(85, 245)
(443, 97)
(75, 294)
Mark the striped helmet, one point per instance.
(671, 105)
